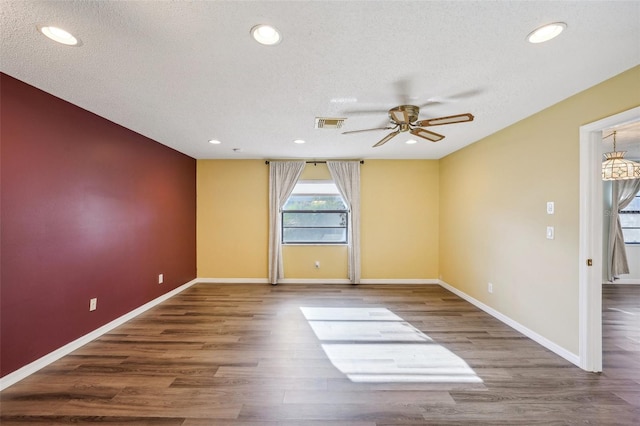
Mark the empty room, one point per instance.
(312, 213)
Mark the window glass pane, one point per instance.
(315, 214)
(633, 206)
(314, 202)
(630, 220)
(631, 235)
(313, 220)
(317, 235)
(315, 187)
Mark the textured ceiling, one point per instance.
(185, 72)
(627, 139)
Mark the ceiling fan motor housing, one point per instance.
(404, 114)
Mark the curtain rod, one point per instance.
(314, 162)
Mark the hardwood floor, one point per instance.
(353, 355)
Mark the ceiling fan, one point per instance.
(404, 118)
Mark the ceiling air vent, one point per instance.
(329, 123)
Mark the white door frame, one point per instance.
(591, 208)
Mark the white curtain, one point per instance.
(346, 175)
(623, 192)
(283, 176)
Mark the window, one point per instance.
(630, 221)
(314, 214)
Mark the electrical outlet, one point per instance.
(93, 304)
(490, 288)
(160, 278)
(317, 264)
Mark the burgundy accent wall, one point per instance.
(88, 209)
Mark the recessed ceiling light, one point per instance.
(265, 34)
(59, 35)
(299, 141)
(546, 32)
(214, 141)
(411, 141)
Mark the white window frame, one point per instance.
(624, 212)
(316, 187)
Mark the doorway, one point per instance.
(590, 250)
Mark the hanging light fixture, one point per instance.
(615, 167)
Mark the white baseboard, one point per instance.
(558, 350)
(362, 281)
(403, 281)
(625, 281)
(233, 280)
(419, 281)
(40, 363)
(314, 281)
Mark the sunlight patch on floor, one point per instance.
(375, 345)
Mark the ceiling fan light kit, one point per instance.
(616, 167)
(404, 118)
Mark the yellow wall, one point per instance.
(299, 261)
(493, 212)
(400, 219)
(232, 218)
(399, 222)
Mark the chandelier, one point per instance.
(616, 167)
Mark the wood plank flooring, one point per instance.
(363, 356)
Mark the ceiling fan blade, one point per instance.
(457, 97)
(460, 118)
(431, 101)
(425, 134)
(367, 130)
(386, 138)
(365, 111)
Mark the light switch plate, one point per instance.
(550, 207)
(550, 233)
